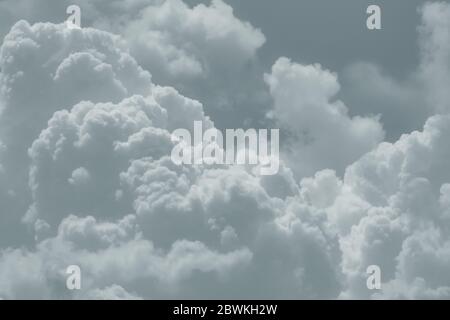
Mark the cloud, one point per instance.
(306, 108)
(206, 52)
(86, 139)
(139, 263)
(192, 42)
(102, 186)
(221, 220)
(36, 61)
(400, 103)
(435, 67)
(92, 135)
(404, 207)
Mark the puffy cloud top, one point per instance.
(85, 168)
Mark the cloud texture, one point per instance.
(86, 176)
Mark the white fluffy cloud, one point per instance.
(321, 133)
(192, 42)
(86, 139)
(108, 253)
(204, 51)
(405, 185)
(102, 186)
(36, 61)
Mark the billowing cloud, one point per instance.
(86, 138)
(405, 206)
(108, 253)
(36, 61)
(206, 52)
(211, 212)
(102, 186)
(322, 133)
(192, 42)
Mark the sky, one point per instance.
(333, 33)
(87, 117)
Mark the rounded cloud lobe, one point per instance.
(86, 142)
(36, 61)
(305, 108)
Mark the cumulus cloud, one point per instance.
(322, 133)
(404, 207)
(36, 61)
(102, 186)
(86, 142)
(202, 50)
(205, 52)
(123, 257)
(192, 42)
